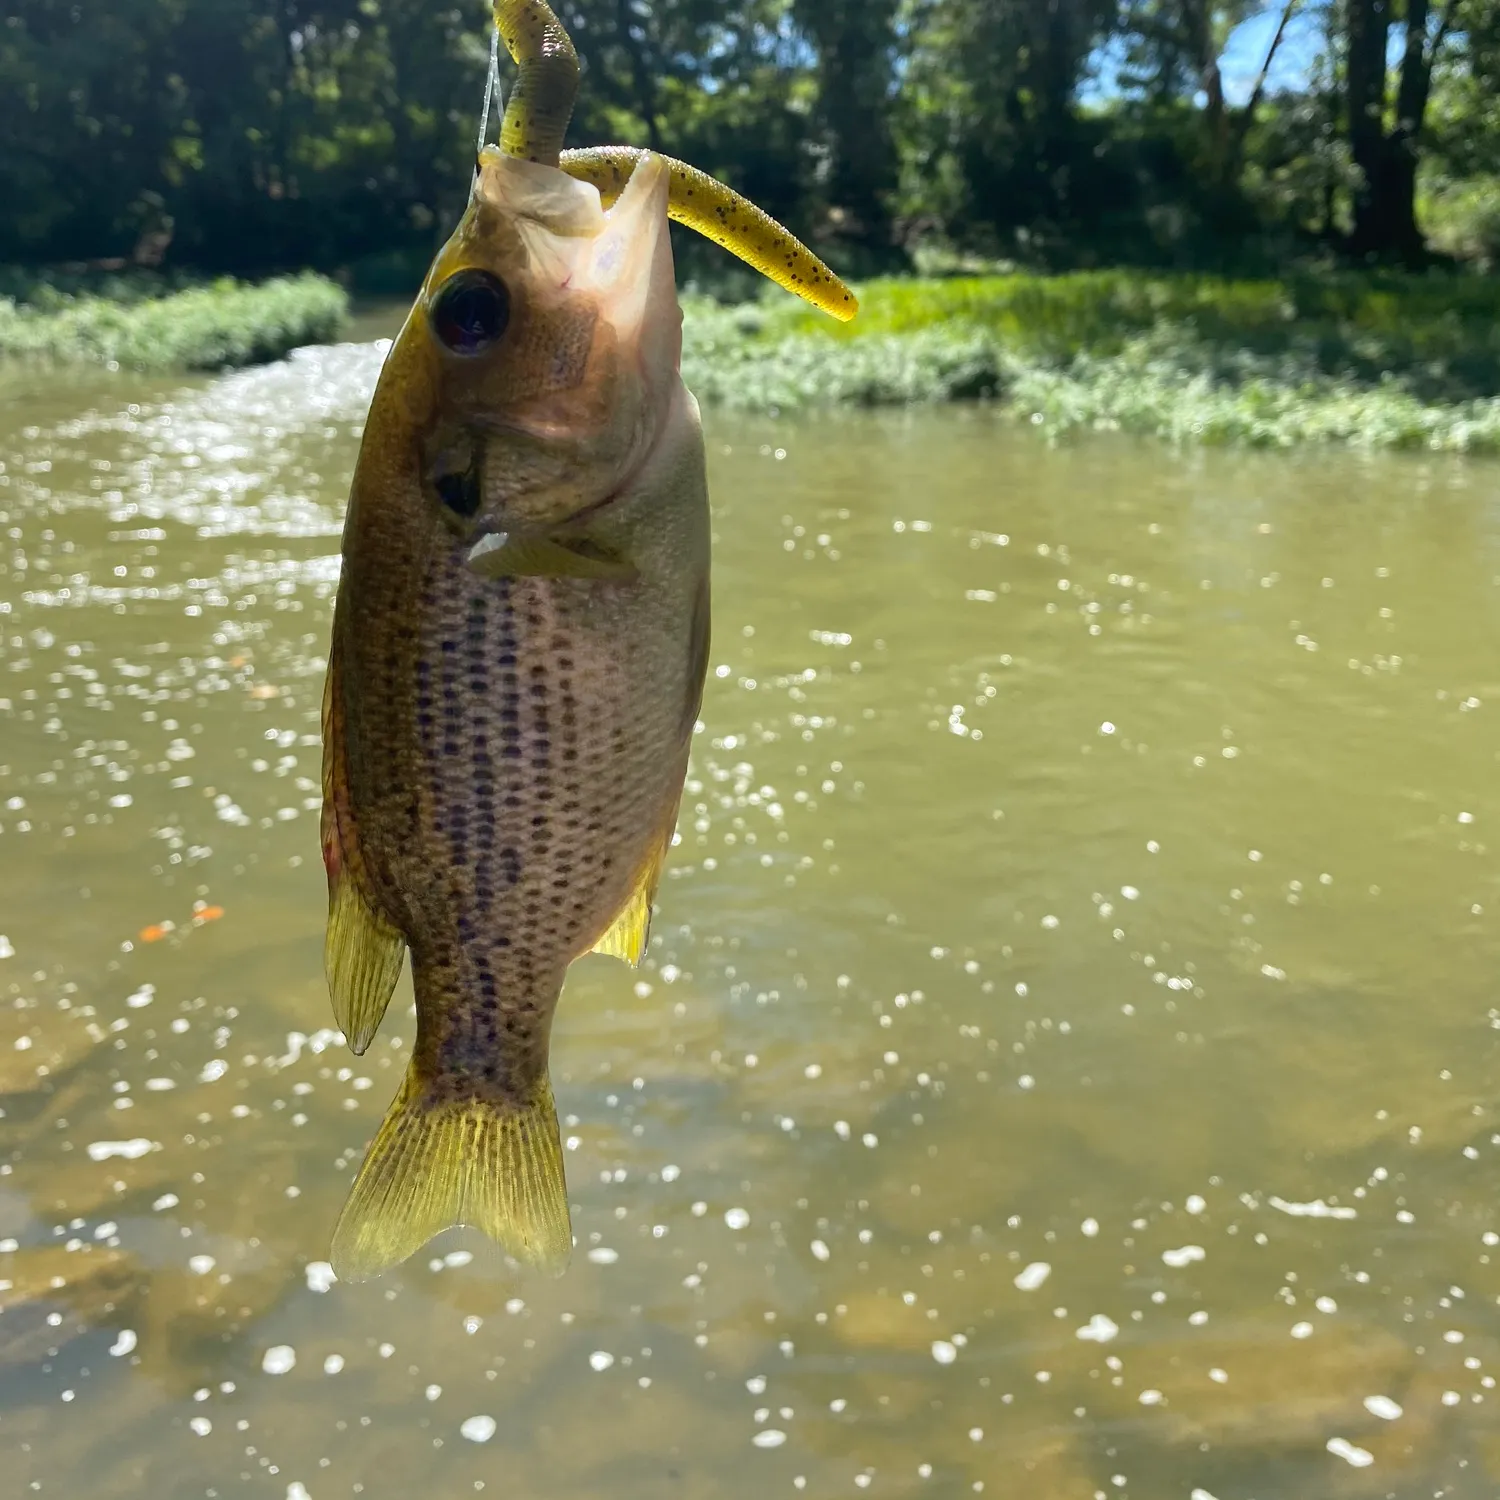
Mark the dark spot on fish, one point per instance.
(459, 491)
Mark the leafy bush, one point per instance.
(1367, 359)
(148, 323)
(1463, 220)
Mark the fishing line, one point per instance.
(493, 94)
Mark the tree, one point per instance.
(992, 108)
(856, 41)
(1385, 134)
(1174, 47)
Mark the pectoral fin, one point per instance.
(362, 951)
(504, 555)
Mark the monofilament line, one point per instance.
(492, 91)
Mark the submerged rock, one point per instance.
(49, 1295)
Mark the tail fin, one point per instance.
(469, 1161)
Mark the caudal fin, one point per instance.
(437, 1164)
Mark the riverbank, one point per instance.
(1366, 360)
(146, 322)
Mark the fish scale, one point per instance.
(513, 833)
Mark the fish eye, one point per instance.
(471, 311)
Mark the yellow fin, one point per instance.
(500, 556)
(629, 932)
(362, 956)
(719, 213)
(362, 951)
(440, 1162)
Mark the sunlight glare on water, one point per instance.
(1066, 1060)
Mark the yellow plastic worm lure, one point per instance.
(536, 118)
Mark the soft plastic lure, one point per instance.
(536, 118)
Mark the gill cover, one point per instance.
(536, 120)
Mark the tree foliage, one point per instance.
(251, 135)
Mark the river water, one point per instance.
(1067, 1059)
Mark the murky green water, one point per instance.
(1067, 1060)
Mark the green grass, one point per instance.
(1372, 360)
(146, 322)
(1375, 360)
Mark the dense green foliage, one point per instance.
(254, 135)
(1377, 361)
(151, 323)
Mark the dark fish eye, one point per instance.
(471, 311)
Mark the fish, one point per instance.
(519, 646)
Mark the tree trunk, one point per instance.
(1199, 24)
(1368, 31)
(855, 39)
(641, 73)
(1385, 205)
(1234, 160)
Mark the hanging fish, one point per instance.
(519, 648)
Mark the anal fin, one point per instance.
(438, 1162)
(629, 933)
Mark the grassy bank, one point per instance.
(1364, 359)
(153, 323)
(1370, 360)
